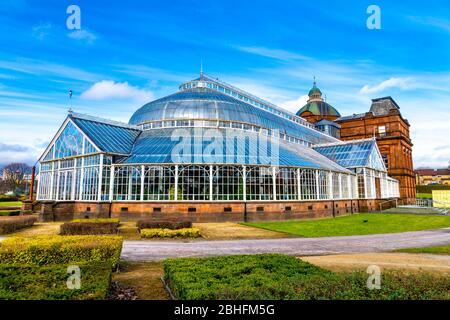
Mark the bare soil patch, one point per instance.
(386, 261)
(235, 231)
(39, 229)
(144, 279)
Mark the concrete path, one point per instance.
(148, 250)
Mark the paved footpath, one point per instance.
(149, 250)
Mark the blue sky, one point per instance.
(129, 53)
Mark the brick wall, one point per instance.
(201, 211)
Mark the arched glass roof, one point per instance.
(208, 104)
(158, 145)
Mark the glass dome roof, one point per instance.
(203, 103)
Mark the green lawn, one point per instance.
(10, 204)
(357, 224)
(434, 250)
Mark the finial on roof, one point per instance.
(70, 111)
(201, 67)
(314, 83)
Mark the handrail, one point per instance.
(390, 200)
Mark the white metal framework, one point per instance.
(79, 180)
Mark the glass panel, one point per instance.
(69, 143)
(193, 182)
(227, 183)
(259, 183)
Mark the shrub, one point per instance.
(11, 224)
(89, 227)
(431, 187)
(275, 276)
(19, 282)
(115, 220)
(172, 225)
(44, 250)
(168, 233)
(4, 197)
(9, 213)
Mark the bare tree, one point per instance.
(14, 175)
(5, 187)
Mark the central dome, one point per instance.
(317, 106)
(206, 104)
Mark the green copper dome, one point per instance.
(314, 89)
(316, 105)
(319, 108)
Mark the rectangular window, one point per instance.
(382, 131)
(386, 160)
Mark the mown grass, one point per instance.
(433, 250)
(357, 224)
(275, 276)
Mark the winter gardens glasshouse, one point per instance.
(208, 143)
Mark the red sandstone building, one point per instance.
(383, 121)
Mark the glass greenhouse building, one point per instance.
(212, 142)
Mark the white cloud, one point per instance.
(108, 89)
(44, 68)
(402, 83)
(278, 54)
(41, 31)
(442, 24)
(83, 34)
(294, 105)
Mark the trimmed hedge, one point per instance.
(172, 225)
(43, 250)
(9, 213)
(276, 277)
(4, 197)
(115, 220)
(11, 224)
(168, 233)
(430, 188)
(89, 228)
(19, 282)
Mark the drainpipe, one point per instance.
(33, 172)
